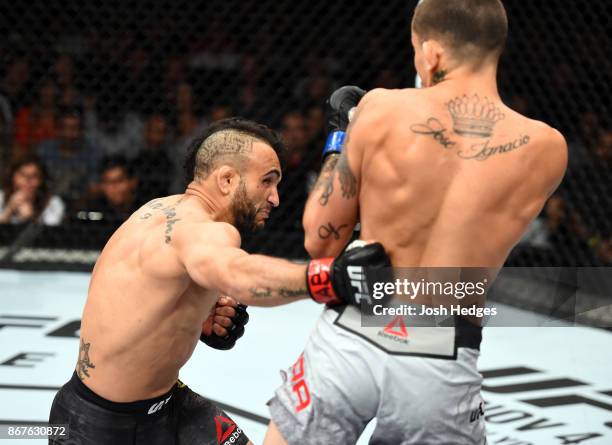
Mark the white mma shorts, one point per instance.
(421, 384)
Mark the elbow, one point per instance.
(312, 242)
(315, 246)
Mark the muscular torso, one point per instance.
(435, 197)
(144, 315)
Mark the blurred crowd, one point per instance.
(71, 154)
(87, 138)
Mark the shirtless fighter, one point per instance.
(157, 280)
(444, 176)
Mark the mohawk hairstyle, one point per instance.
(229, 140)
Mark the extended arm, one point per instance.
(252, 279)
(215, 262)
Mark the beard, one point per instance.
(244, 211)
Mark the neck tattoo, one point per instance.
(439, 76)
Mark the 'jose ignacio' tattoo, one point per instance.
(436, 129)
(474, 118)
(482, 152)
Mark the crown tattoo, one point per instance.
(474, 117)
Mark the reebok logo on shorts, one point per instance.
(227, 432)
(396, 330)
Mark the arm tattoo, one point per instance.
(333, 163)
(328, 230)
(292, 293)
(84, 363)
(326, 179)
(267, 292)
(260, 292)
(348, 182)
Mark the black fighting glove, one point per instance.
(343, 280)
(337, 109)
(233, 333)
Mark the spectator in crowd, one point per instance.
(117, 200)
(118, 133)
(582, 144)
(6, 130)
(315, 85)
(578, 216)
(70, 98)
(13, 83)
(64, 72)
(38, 122)
(293, 189)
(317, 89)
(139, 85)
(248, 101)
(249, 94)
(315, 127)
(26, 194)
(174, 73)
(153, 165)
(294, 133)
(601, 183)
(71, 160)
(185, 114)
(65, 75)
(218, 112)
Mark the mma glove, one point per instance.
(233, 333)
(343, 280)
(337, 109)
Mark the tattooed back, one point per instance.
(450, 176)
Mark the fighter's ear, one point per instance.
(432, 54)
(227, 177)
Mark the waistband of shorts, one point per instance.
(148, 407)
(467, 334)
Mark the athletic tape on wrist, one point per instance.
(318, 276)
(334, 143)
